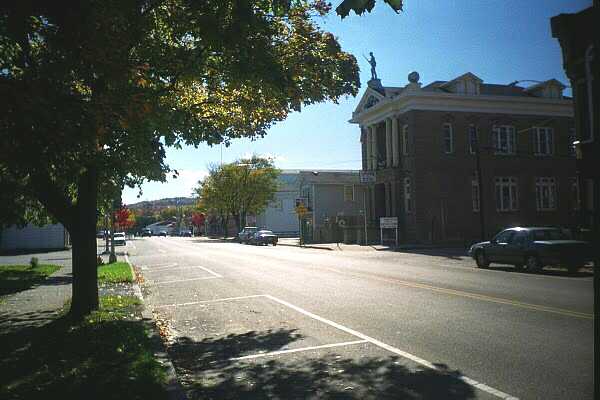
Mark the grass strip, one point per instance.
(107, 356)
(116, 272)
(15, 278)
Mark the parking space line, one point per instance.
(276, 353)
(210, 272)
(186, 280)
(392, 349)
(158, 266)
(191, 303)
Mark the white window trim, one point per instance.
(408, 206)
(575, 200)
(451, 130)
(513, 190)
(470, 143)
(549, 132)
(548, 183)
(509, 130)
(353, 194)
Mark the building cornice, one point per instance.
(451, 102)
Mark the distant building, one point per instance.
(158, 227)
(280, 215)
(51, 236)
(330, 196)
(421, 143)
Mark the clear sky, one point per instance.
(499, 41)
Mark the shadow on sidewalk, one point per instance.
(206, 370)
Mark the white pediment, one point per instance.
(368, 100)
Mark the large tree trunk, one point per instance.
(238, 222)
(83, 236)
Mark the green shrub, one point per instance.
(34, 262)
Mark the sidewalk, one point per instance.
(38, 305)
(357, 247)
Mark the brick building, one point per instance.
(422, 144)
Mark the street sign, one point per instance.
(388, 222)
(367, 176)
(301, 210)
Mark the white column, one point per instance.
(394, 206)
(388, 143)
(368, 139)
(374, 146)
(395, 141)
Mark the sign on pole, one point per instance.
(367, 176)
(388, 223)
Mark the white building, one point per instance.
(51, 236)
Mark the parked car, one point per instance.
(246, 233)
(120, 239)
(146, 232)
(185, 233)
(264, 237)
(101, 234)
(533, 248)
(162, 233)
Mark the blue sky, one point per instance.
(499, 41)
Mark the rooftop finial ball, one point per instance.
(413, 77)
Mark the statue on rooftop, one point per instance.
(373, 65)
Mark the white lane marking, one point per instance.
(275, 353)
(210, 271)
(158, 266)
(191, 303)
(392, 349)
(185, 280)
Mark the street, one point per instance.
(289, 322)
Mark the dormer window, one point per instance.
(467, 84)
(551, 89)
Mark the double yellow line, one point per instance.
(476, 296)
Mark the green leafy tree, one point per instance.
(94, 92)
(360, 6)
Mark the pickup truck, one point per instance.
(532, 248)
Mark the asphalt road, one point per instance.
(287, 322)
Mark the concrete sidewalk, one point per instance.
(295, 242)
(39, 304)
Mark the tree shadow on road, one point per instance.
(207, 370)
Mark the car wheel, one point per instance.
(519, 267)
(481, 260)
(274, 244)
(573, 269)
(533, 264)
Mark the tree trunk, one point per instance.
(83, 236)
(238, 222)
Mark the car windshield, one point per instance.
(549, 234)
(265, 232)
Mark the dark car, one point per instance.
(264, 237)
(185, 233)
(246, 233)
(146, 232)
(162, 233)
(533, 248)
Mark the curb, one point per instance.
(173, 387)
(304, 247)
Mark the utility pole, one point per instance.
(480, 186)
